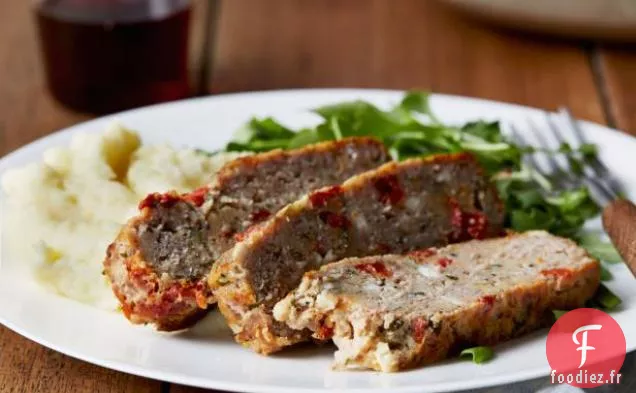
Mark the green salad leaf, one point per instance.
(606, 275)
(478, 354)
(260, 135)
(604, 299)
(598, 248)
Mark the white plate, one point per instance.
(206, 356)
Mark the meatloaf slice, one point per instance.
(159, 262)
(395, 208)
(389, 313)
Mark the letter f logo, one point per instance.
(583, 344)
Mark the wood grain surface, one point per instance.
(273, 44)
(618, 66)
(398, 44)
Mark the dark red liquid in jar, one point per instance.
(103, 56)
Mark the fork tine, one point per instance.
(529, 158)
(603, 193)
(553, 128)
(597, 165)
(555, 167)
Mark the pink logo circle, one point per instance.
(586, 348)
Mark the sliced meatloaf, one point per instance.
(392, 312)
(395, 208)
(159, 262)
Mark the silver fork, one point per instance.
(619, 215)
(604, 187)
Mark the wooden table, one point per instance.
(273, 44)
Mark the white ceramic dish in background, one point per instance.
(207, 356)
(607, 19)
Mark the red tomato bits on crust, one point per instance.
(260, 215)
(321, 197)
(376, 269)
(428, 252)
(157, 199)
(239, 237)
(197, 197)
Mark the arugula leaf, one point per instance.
(359, 118)
(478, 354)
(598, 248)
(417, 101)
(260, 135)
(569, 200)
(266, 129)
(604, 299)
(525, 220)
(488, 131)
(577, 158)
(527, 208)
(606, 275)
(305, 137)
(588, 150)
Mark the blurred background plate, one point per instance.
(606, 19)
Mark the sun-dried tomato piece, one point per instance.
(488, 299)
(389, 189)
(197, 197)
(559, 272)
(444, 262)
(325, 332)
(377, 269)
(335, 220)
(466, 225)
(476, 225)
(321, 197)
(418, 327)
(260, 215)
(428, 252)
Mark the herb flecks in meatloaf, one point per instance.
(160, 260)
(396, 208)
(425, 311)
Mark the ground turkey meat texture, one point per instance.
(390, 313)
(158, 263)
(396, 208)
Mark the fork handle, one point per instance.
(619, 221)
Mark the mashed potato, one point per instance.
(64, 211)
